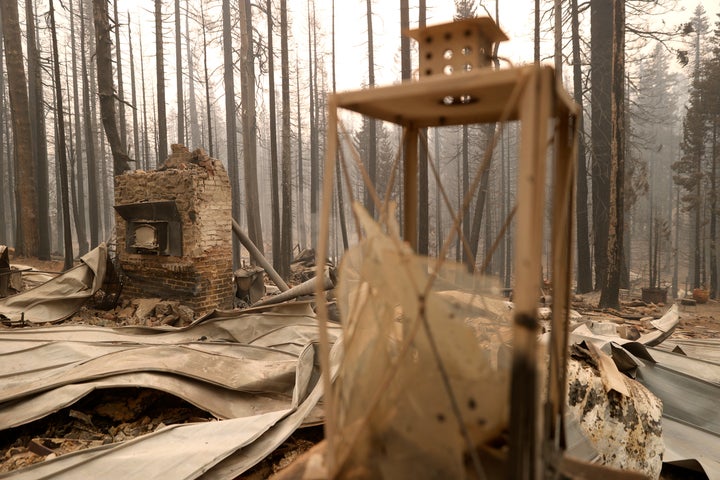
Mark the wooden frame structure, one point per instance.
(547, 115)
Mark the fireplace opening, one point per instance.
(153, 228)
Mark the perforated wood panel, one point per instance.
(456, 48)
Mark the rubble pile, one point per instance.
(148, 312)
(105, 417)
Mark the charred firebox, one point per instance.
(174, 231)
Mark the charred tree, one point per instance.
(78, 178)
(133, 99)
(274, 175)
(609, 296)
(230, 125)
(601, 28)
(584, 265)
(4, 207)
(27, 234)
(208, 104)
(161, 121)
(286, 238)
(192, 104)
(338, 174)
(178, 77)
(37, 132)
(121, 88)
(423, 174)
(62, 155)
(249, 125)
(106, 91)
(145, 136)
(372, 135)
(90, 149)
(302, 229)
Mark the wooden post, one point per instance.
(534, 112)
(562, 234)
(410, 187)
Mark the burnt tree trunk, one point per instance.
(120, 90)
(601, 58)
(79, 179)
(208, 104)
(584, 265)
(286, 162)
(106, 90)
(26, 243)
(178, 77)
(62, 155)
(230, 125)
(37, 132)
(93, 199)
(249, 126)
(609, 296)
(161, 121)
(274, 174)
(372, 132)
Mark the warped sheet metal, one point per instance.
(691, 448)
(689, 389)
(280, 331)
(265, 388)
(60, 297)
(239, 367)
(178, 452)
(195, 448)
(707, 349)
(684, 398)
(223, 403)
(664, 327)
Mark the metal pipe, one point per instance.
(259, 257)
(305, 288)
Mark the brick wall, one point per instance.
(202, 277)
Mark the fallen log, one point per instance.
(259, 257)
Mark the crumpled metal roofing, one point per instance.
(689, 389)
(60, 297)
(257, 371)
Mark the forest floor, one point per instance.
(119, 414)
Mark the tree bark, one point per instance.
(601, 57)
(133, 98)
(423, 174)
(27, 233)
(88, 122)
(62, 155)
(286, 239)
(301, 226)
(249, 124)
(230, 125)
(106, 91)
(37, 132)
(314, 150)
(609, 296)
(195, 140)
(145, 136)
(208, 105)
(161, 121)
(79, 178)
(121, 88)
(372, 140)
(338, 173)
(4, 204)
(274, 174)
(178, 77)
(584, 266)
